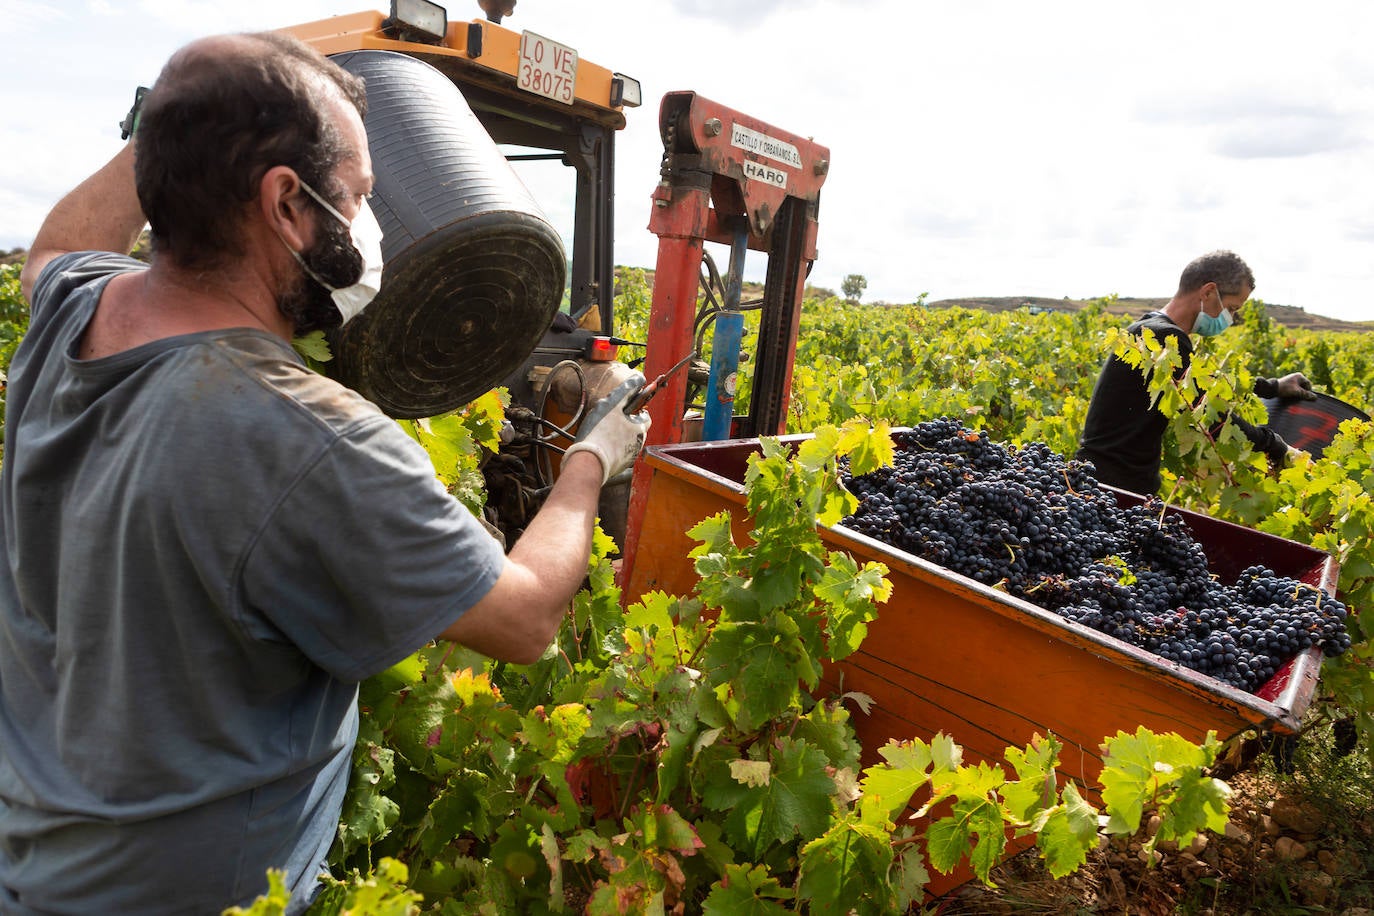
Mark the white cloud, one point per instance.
(1057, 148)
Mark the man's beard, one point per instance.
(305, 302)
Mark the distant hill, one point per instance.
(1287, 315)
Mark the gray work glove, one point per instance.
(1296, 385)
(609, 434)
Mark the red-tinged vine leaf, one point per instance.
(662, 828)
(548, 845)
(1067, 834)
(619, 900)
(795, 801)
(585, 846)
(889, 786)
(417, 719)
(845, 870)
(851, 595)
(746, 891)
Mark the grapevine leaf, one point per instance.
(827, 728)
(555, 734)
(367, 816)
(911, 875)
(1149, 768)
(892, 784)
(846, 867)
(1128, 774)
(753, 773)
(850, 595)
(766, 661)
(815, 453)
(652, 612)
(1199, 804)
(460, 808)
(836, 503)
(1035, 789)
(664, 829)
(869, 448)
(796, 800)
(548, 845)
(1068, 834)
(713, 536)
(945, 754)
(313, 347)
(273, 903)
(948, 839)
(585, 845)
(746, 891)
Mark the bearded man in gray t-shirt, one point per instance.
(207, 545)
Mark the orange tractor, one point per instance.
(480, 288)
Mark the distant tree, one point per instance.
(853, 287)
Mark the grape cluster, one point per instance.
(1038, 526)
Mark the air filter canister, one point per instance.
(474, 272)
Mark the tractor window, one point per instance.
(554, 188)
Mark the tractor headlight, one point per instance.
(418, 20)
(625, 91)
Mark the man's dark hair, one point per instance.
(1224, 268)
(217, 119)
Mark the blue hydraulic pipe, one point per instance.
(725, 345)
(720, 387)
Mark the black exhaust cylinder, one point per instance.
(474, 272)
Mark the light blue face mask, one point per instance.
(1210, 326)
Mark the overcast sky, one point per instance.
(977, 148)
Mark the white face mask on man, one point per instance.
(366, 236)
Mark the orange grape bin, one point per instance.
(948, 654)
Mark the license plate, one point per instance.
(547, 68)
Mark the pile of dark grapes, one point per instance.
(1040, 527)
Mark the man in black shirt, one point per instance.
(1124, 432)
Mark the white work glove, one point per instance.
(1296, 385)
(609, 434)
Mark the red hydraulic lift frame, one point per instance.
(723, 173)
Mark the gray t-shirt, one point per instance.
(207, 546)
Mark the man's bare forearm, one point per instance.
(100, 214)
(521, 614)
